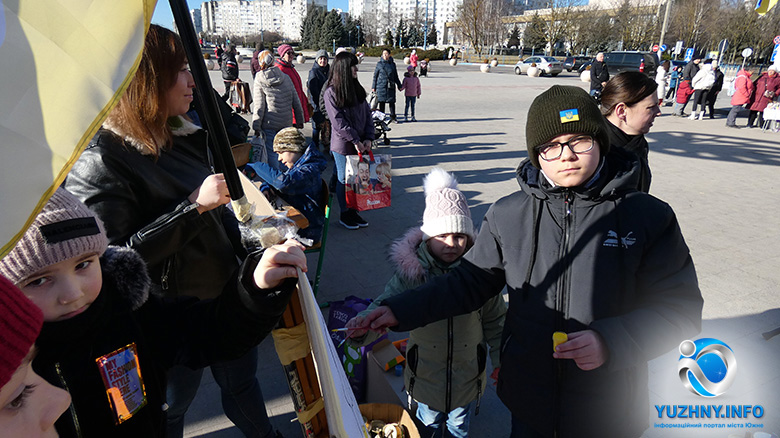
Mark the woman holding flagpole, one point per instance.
(148, 175)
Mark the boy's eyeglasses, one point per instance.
(552, 151)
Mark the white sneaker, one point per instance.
(692, 116)
(701, 115)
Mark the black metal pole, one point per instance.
(220, 146)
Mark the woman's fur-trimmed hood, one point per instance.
(180, 127)
(125, 272)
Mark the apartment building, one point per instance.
(251, 17)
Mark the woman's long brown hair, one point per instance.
(141, 113)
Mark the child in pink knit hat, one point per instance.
(446, 360)
(28, 405)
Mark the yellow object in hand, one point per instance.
(559, 338)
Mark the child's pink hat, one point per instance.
(64, 229)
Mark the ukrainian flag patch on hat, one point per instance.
(569, 115)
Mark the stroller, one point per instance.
(380, 120)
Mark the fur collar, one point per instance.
(180, 127)
(403, 253)
(124, 271)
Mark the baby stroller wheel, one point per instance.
(387, 140)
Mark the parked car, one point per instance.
(645, 62)
(547, 64)
(575, 62)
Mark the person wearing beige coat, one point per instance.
(274, 103)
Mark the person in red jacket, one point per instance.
(285, 64)
(743, 87)
(767, 88)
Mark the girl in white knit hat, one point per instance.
(444, 396)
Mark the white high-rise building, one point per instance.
(197, 22)
(251, 17)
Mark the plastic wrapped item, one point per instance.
(265, 231)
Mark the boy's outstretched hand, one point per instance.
(380, 319)
(359, 326)
(586, 348)
(279, 262)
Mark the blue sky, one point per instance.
(164, 17)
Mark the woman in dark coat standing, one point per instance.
(385, 83)
(318, 76)
(630, 103)
(147, 174)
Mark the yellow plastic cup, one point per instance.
(559, 338)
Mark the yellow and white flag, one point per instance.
(763, 6)
(63, 65)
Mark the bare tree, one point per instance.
(560, 19)
(693, 21)
(479, 22)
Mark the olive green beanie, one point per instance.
(560, 110)
(290, 139)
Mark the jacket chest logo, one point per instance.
(613, 241)
(124, 385)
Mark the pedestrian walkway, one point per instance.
(720, 182)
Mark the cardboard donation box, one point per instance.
(390, 413)
(384, 384)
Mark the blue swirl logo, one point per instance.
(707, 366)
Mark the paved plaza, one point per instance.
(722, 183)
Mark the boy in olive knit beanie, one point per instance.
(300, 185)
(598, 275)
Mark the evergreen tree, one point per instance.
(311, 26)
(514, 37)
(400, 34)
(535, 36)
(414, 37)
(389, 38)
(433, 35)
(331, 30)
(351, 32)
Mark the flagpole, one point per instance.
(219, 144)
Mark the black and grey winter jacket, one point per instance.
(606, 258)
(143, 204)
(93, 351)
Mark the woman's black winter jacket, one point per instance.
(606, 258)
(385, 81)
(143, 204)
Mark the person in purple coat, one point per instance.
(352, 127)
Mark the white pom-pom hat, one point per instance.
(446, 209)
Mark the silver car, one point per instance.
(547, 64)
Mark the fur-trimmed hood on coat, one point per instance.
(403, 254)
(180, 127)
(413, 261)
(126, 271)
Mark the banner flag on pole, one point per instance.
(764, 6)
(64, 65)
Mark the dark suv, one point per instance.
(645, 62)
(575, 62)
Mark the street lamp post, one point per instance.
(425, 36)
